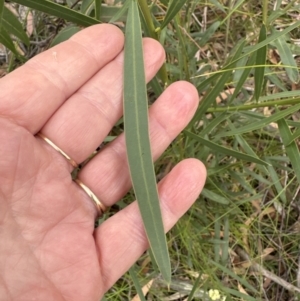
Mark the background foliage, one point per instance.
(241, 238)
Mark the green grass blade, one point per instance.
(5, 39)
(292, 150)
(294, 136)
(261, 123)
(268, 40)
(218, 5)
(120, 13)
(225, 246)
(12, 25)
(250, 49)
(287, 59)
(65, 34)
(108, 12)
(243, 77)
(86, 6)
(209, 33)
(227, 271)
(277, 184)
(207, 129)
(195, 287)
(217, 238)
(59, 11)
(214, 196)
(136, 283)
(138, 141)
(173, 9)
(261, 56)
(280, 95)
(224, 150)
(210, 97)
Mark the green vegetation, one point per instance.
(241, 238)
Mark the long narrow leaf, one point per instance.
(4, 36)
(294, 136)
(173, 9)
(250, 49)
(210, 97)
(287, 59)
(214, 197)
(86, 6)
(209, 33)
(261, 56)
(243, 77)
(137, 285)
(267, 41)
(261, 123)
(292, 150)
(12, 25)
(214, 123)
(60, 11)
(120, 13)
(226, 151)
(5, 39)
(65, 34)
(138, 141)
(277, 184)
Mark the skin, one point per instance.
(72, 93)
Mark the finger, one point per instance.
(121, 240)
(107, 174)
(93, 110)
(32, 93)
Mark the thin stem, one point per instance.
(285, 102)
(228, 27)
(182, 44)
(153, 34)
(98, 9)
(147, 15)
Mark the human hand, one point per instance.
(72, 94)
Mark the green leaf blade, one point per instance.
(120, 13)
(226, 151)
(261, 123)
(65, 34)
(173, 9)
(12, 25)
(138, 141)
(5, 39)
(292, 150)
(261, 56)
(59, 11)
(287, 59)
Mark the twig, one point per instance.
(183, 287)
(204, 22)
(258, 268)
(74, 4)
(298, 273)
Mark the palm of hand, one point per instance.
(53, 248)
(49, 248)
